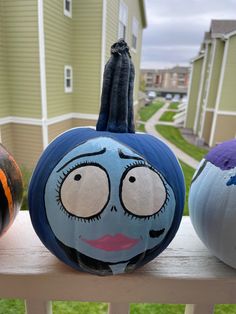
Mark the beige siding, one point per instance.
(83, 122)
(225, 128)
(56, 129)
(228, 95)
(4, 99)
(87, 37)
(206, 132)
(6, 137)
(193, 93)
(24, 141)
(58, 48)
(21, 40)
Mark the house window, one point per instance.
(68, 81)
(123, 18)
(68, 8)
(134, 33)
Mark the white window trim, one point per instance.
(135, 31)
(123, 21)
(68, 89)
(66, 12)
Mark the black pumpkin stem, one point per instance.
(116, 112)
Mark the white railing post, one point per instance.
(199, 309)
(38, 307)
(118, 308)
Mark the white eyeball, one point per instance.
(85, 191)
(142, 191)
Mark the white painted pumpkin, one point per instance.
(212, 201)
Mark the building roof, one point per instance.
(222, 27)
(176, 69)
(179, 69)
(197, 57)
(218, 29)
(149, 71)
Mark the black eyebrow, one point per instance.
(102, 151)
(124, 156)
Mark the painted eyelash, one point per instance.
(136, 163)
(73, 217)
(64, 173)
(77, 165)
(58, 198)
(161, 211)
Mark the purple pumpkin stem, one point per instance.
(223, 155)
(116, 112)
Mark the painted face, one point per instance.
(106, 202)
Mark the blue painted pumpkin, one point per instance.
(11, 189)
(109, 200)
(212, 201)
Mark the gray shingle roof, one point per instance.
(222, 27)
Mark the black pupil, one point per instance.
(77, 177)
(132, 179)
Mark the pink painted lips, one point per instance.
(109, 243)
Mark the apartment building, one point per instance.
(171, 80)
(52, 56)
(211, 111)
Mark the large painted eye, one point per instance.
(85, 191)
(142, 191)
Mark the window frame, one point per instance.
(123, 20)
(68, 13)
(135, 31)
(66, 77)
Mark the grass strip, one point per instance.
(188, 174)
(173, 105)
(174, 135)
(63, 307)
(147, 112)
(168, 116)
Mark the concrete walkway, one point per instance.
(150, 128)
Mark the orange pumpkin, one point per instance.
(11, 189)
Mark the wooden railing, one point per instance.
(184, 273)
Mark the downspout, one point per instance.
(42, 67)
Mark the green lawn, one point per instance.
(173, 134)
(188, 174)
(26, 175)
(173, 105)
(17, 307)
(146, 112)
(168, 116)
(141, 128)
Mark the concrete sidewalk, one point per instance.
(150, 128)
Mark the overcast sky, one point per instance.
(176, 28)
